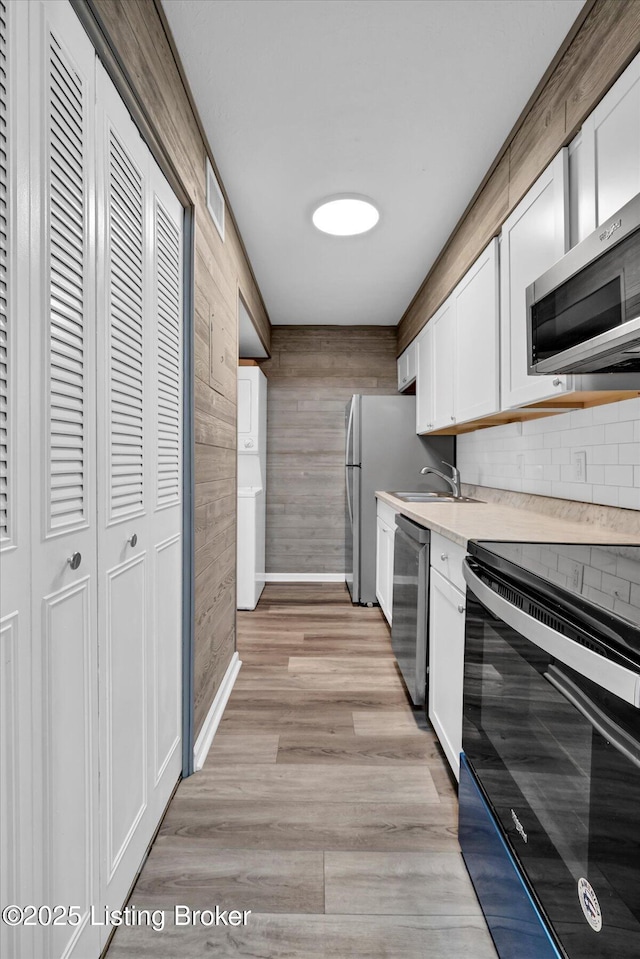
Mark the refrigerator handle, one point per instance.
(349, 428)
(349, 506)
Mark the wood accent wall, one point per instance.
(312, 373)
(607, 40)
(136, 33)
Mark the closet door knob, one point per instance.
(461, 608)
(557, 381)
(133, 539)
(443, 556)
(74, 560)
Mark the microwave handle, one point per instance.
(617, 679)
(609, 730)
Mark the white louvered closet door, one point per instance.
(63, 473)
(139, 491)
(18, 880)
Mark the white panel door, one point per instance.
(534, 237)
(63, 476)
(605, 168)
(446, 665)
(424, 380)
(19, 834)
(139, 491)
(444, 349)
(477, 312)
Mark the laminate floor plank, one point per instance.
(313, 937)
(368, 750)
(325, 808)
(316, 783)
(187, 871)
(389, 722)
(398, 884)
(232, 747)
(255, 824)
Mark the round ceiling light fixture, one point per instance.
(346, 215)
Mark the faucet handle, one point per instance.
(450, 465)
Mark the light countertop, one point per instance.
(461, 522)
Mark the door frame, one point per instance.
(91, 20)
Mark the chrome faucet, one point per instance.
(453, 480)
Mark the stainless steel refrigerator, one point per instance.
(382, 452)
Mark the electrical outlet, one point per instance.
(576, 576)
(579, 463)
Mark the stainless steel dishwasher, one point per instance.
(410, 605)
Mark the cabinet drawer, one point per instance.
(447, 557)
(387, 514)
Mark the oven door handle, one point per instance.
(617, 679)
(602, 723)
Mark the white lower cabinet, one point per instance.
(385, 536)
(446, 665)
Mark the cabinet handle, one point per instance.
(74, 560)
(557, 381)
(461, 608)
(453, 418)
(444, 556)
(133, 539)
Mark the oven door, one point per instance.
(558, 757)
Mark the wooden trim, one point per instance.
(599, 46)
(563, 404)
(216, 711)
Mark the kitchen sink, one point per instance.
(432, 497)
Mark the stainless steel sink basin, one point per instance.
(432, 497)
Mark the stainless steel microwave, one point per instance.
(584, 313)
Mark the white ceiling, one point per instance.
(404, 101)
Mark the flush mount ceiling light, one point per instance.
(346, 216)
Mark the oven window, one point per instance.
(566, 796)
(596, 300)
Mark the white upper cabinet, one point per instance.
(477, 316)
(458, 356)
(444, 352)
(407, 366)
(534, 237)
(605, 156)
(424, 380)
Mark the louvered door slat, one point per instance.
(126, 335)
(67, 493)
(168, 370)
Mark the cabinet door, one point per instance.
(477, 379)
(534, 237)
(446, 665)
(424, 380)
(384, 568)
(611, 148)
(444, 349)
(407, 367)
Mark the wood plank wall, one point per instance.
(136, 32)
(604, 45)
(312, 373)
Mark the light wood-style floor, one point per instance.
(324, 806)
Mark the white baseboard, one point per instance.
(304, 577)
(211, 723)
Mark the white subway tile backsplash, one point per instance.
(619, 432)
(536, 456)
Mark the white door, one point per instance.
(534, 237)
(444, 347)
(446, 665)
(477, 313)
(19, 834)
(139, 321)
(63, 475)
(424, 380)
